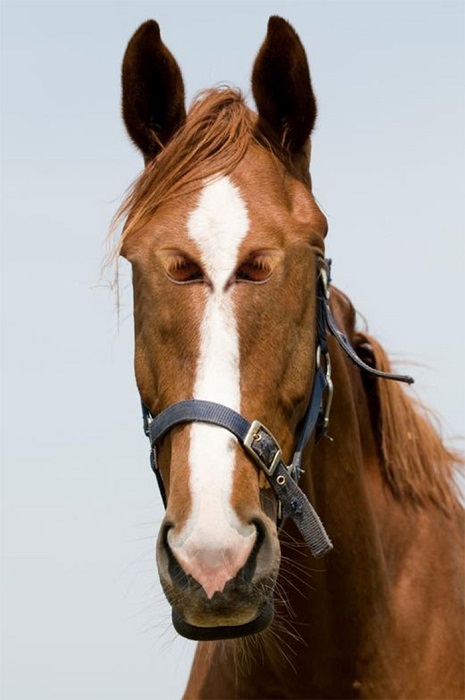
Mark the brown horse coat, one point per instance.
(222, 231)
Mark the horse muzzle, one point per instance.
(243, 605)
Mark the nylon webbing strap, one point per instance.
(310, 420)
(257, 440)
(261, 445)
(300, 510)
(195, 411)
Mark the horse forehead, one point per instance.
(219, 222)
(281, 207)
(247, 205)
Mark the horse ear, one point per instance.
(153, 91)
(282, 88)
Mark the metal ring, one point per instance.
(325, 281)
(281, 480)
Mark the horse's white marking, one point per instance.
(214, 544)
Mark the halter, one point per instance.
(255, 438)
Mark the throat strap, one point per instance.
(351, 354)
(330, 322)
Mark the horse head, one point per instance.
(223, 235)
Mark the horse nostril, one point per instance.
(265, 556)
(213, 564)
(248, 570)
(168, 561)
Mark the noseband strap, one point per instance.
(259, 442)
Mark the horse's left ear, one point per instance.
(153, 91)
(282, 88)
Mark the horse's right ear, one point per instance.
(282, 88)
(153, 91)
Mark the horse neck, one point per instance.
(341, 603)
(353, 610)
(335, 632)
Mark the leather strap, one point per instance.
(310, 421)
(342, 339)
(350, 352)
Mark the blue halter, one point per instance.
(258, 441)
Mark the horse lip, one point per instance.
(197, 633)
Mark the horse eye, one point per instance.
(256, 268)
(183, 269)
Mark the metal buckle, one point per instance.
(267, 456)
(154, 460)
(147, 419)
(329, 384)
(329, 400)
(325, 281)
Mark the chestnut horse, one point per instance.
(235, 322)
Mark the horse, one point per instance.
(313, 536)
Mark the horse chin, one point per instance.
(219, 630)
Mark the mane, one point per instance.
(415, 462)
(214, 139)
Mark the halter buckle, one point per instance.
(263, 447)
(329, 385)
(325, 282)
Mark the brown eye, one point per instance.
(256, 268)
(181, 268)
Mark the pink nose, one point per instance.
(213, 566)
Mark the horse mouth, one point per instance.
(205, 632)
(244, 607)
(239, 611)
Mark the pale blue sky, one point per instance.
(82, 614)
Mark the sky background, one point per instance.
(82, 613)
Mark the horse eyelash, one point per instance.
(259, 263)
(179, 263)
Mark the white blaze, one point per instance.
(213, 532)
